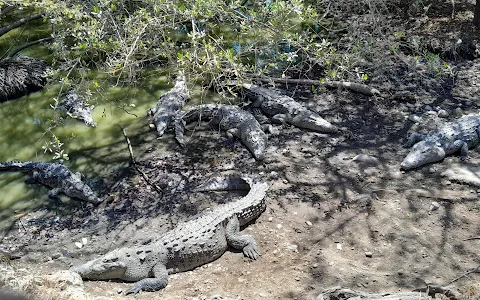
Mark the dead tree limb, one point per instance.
(356, 87)
(5, 29)
(132, 158)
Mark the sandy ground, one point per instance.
(332, 219)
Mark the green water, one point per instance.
(96, 152)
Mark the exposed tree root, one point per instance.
(21, 76)
(432, 290)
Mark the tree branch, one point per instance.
(5, 29)
(47, 39)
(356, 87)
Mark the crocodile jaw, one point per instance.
(422, 153)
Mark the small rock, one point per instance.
(279, 226)
(428, 108)
(309, 223)
(56, 255)
(339, 246)
(79, 245)
(414, 118)
(366, 159)
(434, 206)
(443, 113)
(119, 291)
(368, 254)
(84, 241)
(152, 126)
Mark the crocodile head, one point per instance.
(76, 188)
(85, 114)
(422, 153)
(309, 120)
(109, 266)
(255, 140)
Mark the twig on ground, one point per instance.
(476, 270)
(132, 158)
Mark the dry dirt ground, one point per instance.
(332, 218)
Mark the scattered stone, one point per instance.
(309, 223)
(119, 291)
(84, 241)
(368, 254)
(428, 108)
(434, 206)
(414, 118)
(443, 113)
(339, 246)
(79, 245)
(279, 226)
(366, 159)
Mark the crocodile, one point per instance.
(461, 134)
(230, 118)
(187, 246)
(54, 175)
(284, 109)
(75, 106)
(169, 105)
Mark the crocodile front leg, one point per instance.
(151, 284)
(245, 242)
(458, 145)
(414, 138)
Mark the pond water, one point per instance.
(97, 152)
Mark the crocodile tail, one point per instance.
(12, 165)
(223, 183)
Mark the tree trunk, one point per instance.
(476, 19)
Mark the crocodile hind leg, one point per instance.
(151, 284)
(245, 242)
(53, 194)
(414, 138)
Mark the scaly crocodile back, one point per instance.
(466, 129)
(202, 239)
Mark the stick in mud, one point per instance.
(132, 158)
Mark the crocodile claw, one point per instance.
(251, 251)
(133, 290)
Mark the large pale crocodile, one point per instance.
(230, 118)
(285, 109)
(54, 175)
(169, 105)
(189, 245)
(452, 137)
(75, 106)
